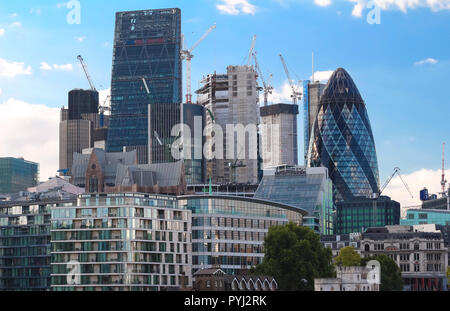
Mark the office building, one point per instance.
(426, 216)
(279, 135)
(336, 242)
(312, 91)
(358, 213)
(25, 244)
(122, 242)
(74, 137)
(421, 256)
(342, 139)
(229, 231)
(147, 45)
(308, 189)
(82, 102)
(232, 99)
(17, 174)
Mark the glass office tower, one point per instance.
(147, 45)
(17, 175)
(342, 139)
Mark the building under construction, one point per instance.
(231, 98)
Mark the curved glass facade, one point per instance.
(342, 139)
(229, 231)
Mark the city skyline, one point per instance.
(402, 71)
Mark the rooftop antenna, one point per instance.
(443, 181)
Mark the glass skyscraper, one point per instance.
(342, 139)
(147, 45)
(17, 175)
(309, 189)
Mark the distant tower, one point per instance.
(279, 136)
(342, 139)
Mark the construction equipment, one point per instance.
(187, 55)
(85, 68)
(102, 109)
(251, 51)
(296, 95)
(267, 87)
(443, 181)
(377, 195)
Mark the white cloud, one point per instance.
(1, 92)
(279, 95)
(402, 5)
(322, 2)
(2, 31)
(424, 178)
(322, 76)
(35, 11)
(32, 133)
(236, 7)
(81, 39)
(13, 15)
(66, 67)
(11, 69)
(431, 61)
(104, 97)
(16, 24)
(47, 67)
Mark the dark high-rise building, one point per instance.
(82, 102)
(147, 45)
(342, 139)
(17, 175)
(311, 101)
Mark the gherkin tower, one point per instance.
(342, 139)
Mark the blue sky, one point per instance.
(401, 66)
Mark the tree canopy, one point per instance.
(391, 276)
(348, 257)
(295, 257)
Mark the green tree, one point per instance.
(391, 277)
(348, 257)
(294, 256)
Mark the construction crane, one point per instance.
(251, 51)
(443, 181)
(267, 87)
(187, 55)
(377, 195)
(85, 68)
(295, 94)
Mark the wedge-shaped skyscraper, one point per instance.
(342, 139)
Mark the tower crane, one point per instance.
(85, 68)
(267, 87)
(251, 51)
(187, 55)
(295, 94)
(377, 195)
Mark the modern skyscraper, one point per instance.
(17, 175)
(311, 100)
(147, 45)
(342, 139)
(279, 135)
(82, 102)
(232, 99)
(74, 136)
(306, 188)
